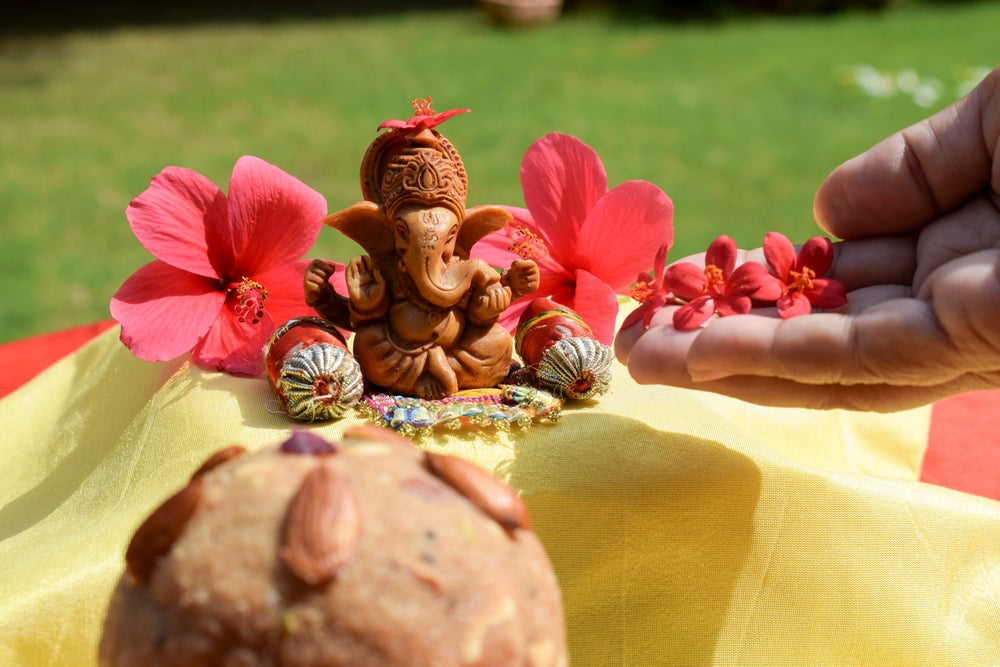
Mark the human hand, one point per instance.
(920, 215)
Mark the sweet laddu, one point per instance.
(360, 552)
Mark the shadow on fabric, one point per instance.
(647, 531)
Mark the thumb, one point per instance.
(914, 176)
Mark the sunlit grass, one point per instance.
(738, 122)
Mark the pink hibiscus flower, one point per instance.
(720, 287)
(589, 242)
(804, 289)
(225, 274)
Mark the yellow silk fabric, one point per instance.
(685, 528)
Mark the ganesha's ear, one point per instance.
(366, 224)
(479, 222)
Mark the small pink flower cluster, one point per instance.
(791, 282)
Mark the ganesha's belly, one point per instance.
(417, 326)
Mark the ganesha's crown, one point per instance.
(414, 165)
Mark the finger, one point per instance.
(857, 263)
(917, 174)
(625, 339)
(779, 392)
(882, 260)
(875, 295)
(316, 271)
(895, 342)
(658, 357)
(970, 229)
(329, 269)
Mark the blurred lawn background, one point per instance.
(738, 119)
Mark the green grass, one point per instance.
(737, 121)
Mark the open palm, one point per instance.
(920, 216)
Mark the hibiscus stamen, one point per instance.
(802, 280)
(423, 107)
(715, 281)
(527, 245)
(250, 298)
(642, 291)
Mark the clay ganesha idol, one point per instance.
(424, 312)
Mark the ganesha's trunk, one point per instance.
(445, 287)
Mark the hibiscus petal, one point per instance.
(560, 287)
(649, 280)
(436, 119)
(164, 311)
(721, 253)
(274, 217)
(510, 318)
(522, 216)
(645, 312)
(596, 304)
(753, 279)
(692, 315)
(234, 347)
(770, 290)
(562, 179)
(817, 254)
(793, 304)
(733, 305)
(639, 315)
(779, 253)
(685, 279)
(177, 218)
(339, 278)
(495, 248)
(394, 124)
(285, 294)
(827, 293)
(660, 263)
(623, 233)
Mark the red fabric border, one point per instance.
(963, 449)
(21, 360)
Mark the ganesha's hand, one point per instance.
(317, 287)
(522, 277)
(365, 284)
(487, 303)
(320, 295)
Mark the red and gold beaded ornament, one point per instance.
(560, 351)
(311, 370)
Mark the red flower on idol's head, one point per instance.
(423, 118)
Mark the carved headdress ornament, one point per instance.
(413, 163)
